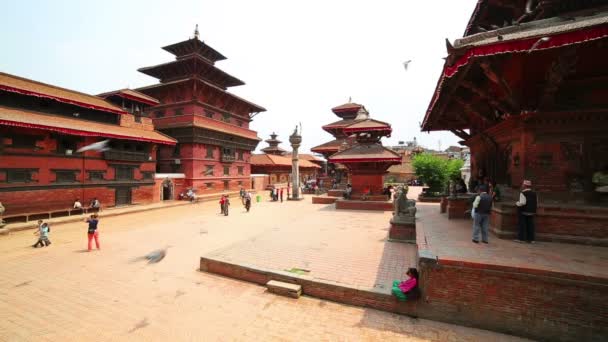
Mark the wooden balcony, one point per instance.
(228, 158)
(126, 156)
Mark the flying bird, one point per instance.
(154, 256)
(406, 64)
(100, 146)
(538, 42)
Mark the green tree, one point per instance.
(432, 170)
(453, 168)
(435, 171)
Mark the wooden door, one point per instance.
(123, 196)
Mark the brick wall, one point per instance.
(542, 306)
(360, 182)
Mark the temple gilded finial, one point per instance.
(196, 34)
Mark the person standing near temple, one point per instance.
(92, 231)
(43, 234)
(526, 210)
(481, 219)
(281, 194)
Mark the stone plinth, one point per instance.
(364, 205)
(403, 230)
(457, 206)
(581, 224)
(335, 192)
(443, 206)
(323, 199)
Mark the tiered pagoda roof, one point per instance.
(366, 153)
(132, 95)
(273, 147)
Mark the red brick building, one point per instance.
(41, 128)
(210, 124)
(530, 100)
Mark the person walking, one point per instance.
(248, 200)
(222, 201)
(92, 231)
(281, 194)
(526, 210)
(481, 219)
(226, 205)
(43, 235)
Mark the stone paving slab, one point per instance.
(450, 240)
(344, 247)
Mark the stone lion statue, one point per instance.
(403, 205)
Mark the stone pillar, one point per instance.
(295, 139)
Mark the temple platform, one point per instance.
(335, 192)
(544, 291)
(364, 205)
(324, 199)
(568, 223)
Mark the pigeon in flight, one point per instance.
(154, 256)
(100, 146)
(406, 64)
(538, 42)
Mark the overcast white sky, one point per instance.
(298, 59)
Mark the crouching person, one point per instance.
(407, 289)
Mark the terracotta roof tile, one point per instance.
(29, 87)
(347, 107)
(365, 152)
(305, 156)
(274, 160)
(31, 119)
(204, 122)
(132, 95)
(333, 145)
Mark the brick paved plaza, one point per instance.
(64, 293)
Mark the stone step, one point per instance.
(284, 289)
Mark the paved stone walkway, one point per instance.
(451, 239)
(63, 293)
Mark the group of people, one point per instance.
(276, 194)
(488, 193)
(94, 204)
(44, 229)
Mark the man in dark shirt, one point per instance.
(526, 209)
(481, 219)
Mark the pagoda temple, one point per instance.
(525, 89)
(347, 113)
(210, 124)
(358, 149)
(273, 146)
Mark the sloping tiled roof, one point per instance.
(367, 125)
(347, 107)
(131, 95)
(366, 152)
(36, 120)
(333, 145)
(204, 122)
(29, 87)
(274, 160)
(305, 156)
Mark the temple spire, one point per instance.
(196, 34)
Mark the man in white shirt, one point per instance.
(526, 208)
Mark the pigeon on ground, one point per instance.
(100, 146)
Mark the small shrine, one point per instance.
(366, 160)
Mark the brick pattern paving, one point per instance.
(451, 239)
(340, 246)
(62, 293)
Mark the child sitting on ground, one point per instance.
(407, 289)
(43, 235)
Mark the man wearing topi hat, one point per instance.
(526, 209)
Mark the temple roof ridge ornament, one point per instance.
(196, 33)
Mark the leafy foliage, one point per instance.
(435, 171)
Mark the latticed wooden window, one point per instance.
(209, 113)
(240, 169)
(18, 176)
(240, 155)
(226, 117)
(226, 170)
(209, 152)
(96, 175)
(65, 176)
(209, 170)
(124, 173)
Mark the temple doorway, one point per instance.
(167, 190)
